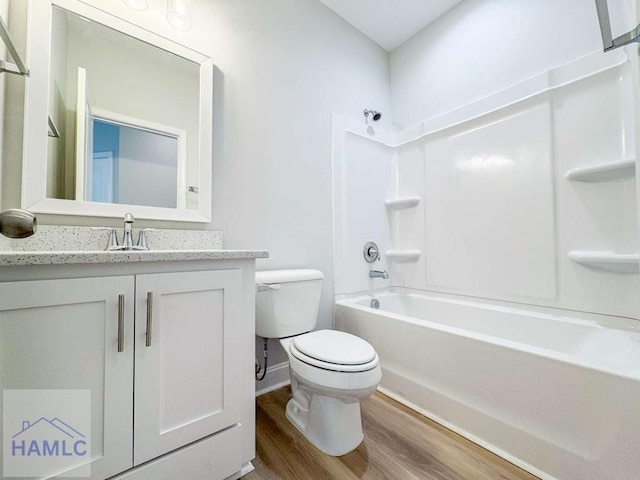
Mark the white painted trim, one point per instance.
(205, 138)
(142, 124)
(56, 206)
(276, 377)
(34, 186)
(81, 133)
(34, 182)
(139, 123)
(247, 468)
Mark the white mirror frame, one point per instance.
(34, 164)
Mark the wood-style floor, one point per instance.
(399, 444)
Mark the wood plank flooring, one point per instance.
(399, 444)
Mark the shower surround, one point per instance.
(526, 200)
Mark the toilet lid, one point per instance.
(332, 346)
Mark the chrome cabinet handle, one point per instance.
(149, 317)
(120, 323)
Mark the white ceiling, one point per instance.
(390, 23)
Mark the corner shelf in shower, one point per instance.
(402, 203)
(403, 255)
(615, 262)
(604, 172)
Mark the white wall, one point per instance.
(288, 65)
(152, 157)
(483, 46)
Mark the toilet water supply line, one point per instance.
(261, 371)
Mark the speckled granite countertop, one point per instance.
(101, 256)
(59, 245)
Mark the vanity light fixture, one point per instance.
(179, 14)
(140, 5)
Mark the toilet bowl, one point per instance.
(330, 371)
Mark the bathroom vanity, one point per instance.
(163, 340)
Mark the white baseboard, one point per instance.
(277, 377)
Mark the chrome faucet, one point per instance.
(378, 274)
(127, 238)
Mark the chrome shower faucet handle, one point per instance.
(370, 252)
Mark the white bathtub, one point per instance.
(555, 392)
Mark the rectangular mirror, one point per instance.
(133, 113)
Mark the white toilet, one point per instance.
(330, 371)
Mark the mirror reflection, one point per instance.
(121, 155)
(127, 114)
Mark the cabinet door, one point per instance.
(62, 335)
(187, 358)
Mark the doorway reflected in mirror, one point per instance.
(122, 154)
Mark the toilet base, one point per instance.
(332, 425)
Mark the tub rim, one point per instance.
(349, 301)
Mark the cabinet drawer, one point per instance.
(212, 458)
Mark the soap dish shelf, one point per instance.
(615, 262)
(604, 172)
(403, 255)
(402, 203)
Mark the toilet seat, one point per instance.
(335, 351)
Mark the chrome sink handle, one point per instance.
(112, 242)
(142, 243)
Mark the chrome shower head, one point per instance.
(374, 115)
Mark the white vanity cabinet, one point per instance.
(166, 349)
(186, 358)
(63, 334)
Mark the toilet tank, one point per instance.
(287, 302)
